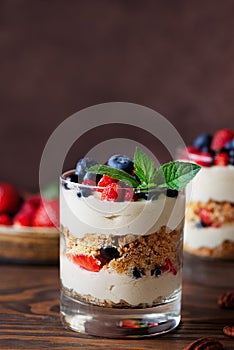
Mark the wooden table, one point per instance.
(29, 315)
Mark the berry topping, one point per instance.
(169, 267)
(205, 215)
(230, 145)
(156, 271)
(23, 218)
(105, 181)
(109, 252)
(202, 140)
(82, 166)
(47, 214)
(137, 273)
(204, 159)
(221, 159)
(9, 198)
(221, 138)
(89, 263)
(112, 192)
(121, 162)
(5, 220)
(171, 193)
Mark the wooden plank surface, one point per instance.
(29, 315)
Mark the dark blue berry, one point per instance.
(109, 252)
(171, 193)
(82, 166)
(231, 153)
(121, 162)
(70, 178)
(207, 149)
(203, 140)
(231, 160)
(137, 273)
(200, 224)
(230, 144)
(156, 272)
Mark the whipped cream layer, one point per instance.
(92, 215)
(215, 182)
(210, 237)
(110, 286)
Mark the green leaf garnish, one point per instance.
(114, 173)
(176, 175)
(144, 167)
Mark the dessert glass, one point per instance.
(209, 226)
(120, 262)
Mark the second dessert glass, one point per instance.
(120, 261)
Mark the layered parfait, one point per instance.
(209, 221)
(122, 226)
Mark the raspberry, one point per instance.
(112, 192)
(105, 181)
(221, 159)
(220, 139)
(5, 219)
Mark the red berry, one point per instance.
(186, 152)
(47, 214)
(34, 200)
(105, 181)
(112, 192)
(129, 195)
(221, 159)
(89, 263)
(169, 267)
(205, 215)
(23, 218)
(5, 220)
(220, 138)
(9, 198)
(204, 159)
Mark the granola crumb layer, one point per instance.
(224, 251)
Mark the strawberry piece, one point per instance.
(112, 192)
(169, 267)
(24, 215)
(47, 214)
(220, 138)
(89, 263)
(205, 215)
(221, 159)
(9, 198)
(129, 195)
(5, 220)
(105, 181)
(186, 152)
(35, 201)
(130, 324)
(201, 158)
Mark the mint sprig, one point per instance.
(175, 175)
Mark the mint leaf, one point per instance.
(144, 167)
(114, 173)
(176, 175)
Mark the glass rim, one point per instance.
(136, 189)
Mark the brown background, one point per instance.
(58, 57)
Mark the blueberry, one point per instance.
(92, 177)
(119, 161)
(156, 272)
(230, 144)
(231, 153)
(202, 141)
(82, 166)
(172, 193)
(200, 224)
(70, 178)
(137, 273)
(231, 160)
(109, 252)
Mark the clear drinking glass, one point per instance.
(120, 262)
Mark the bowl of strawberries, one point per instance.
(28, 227)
